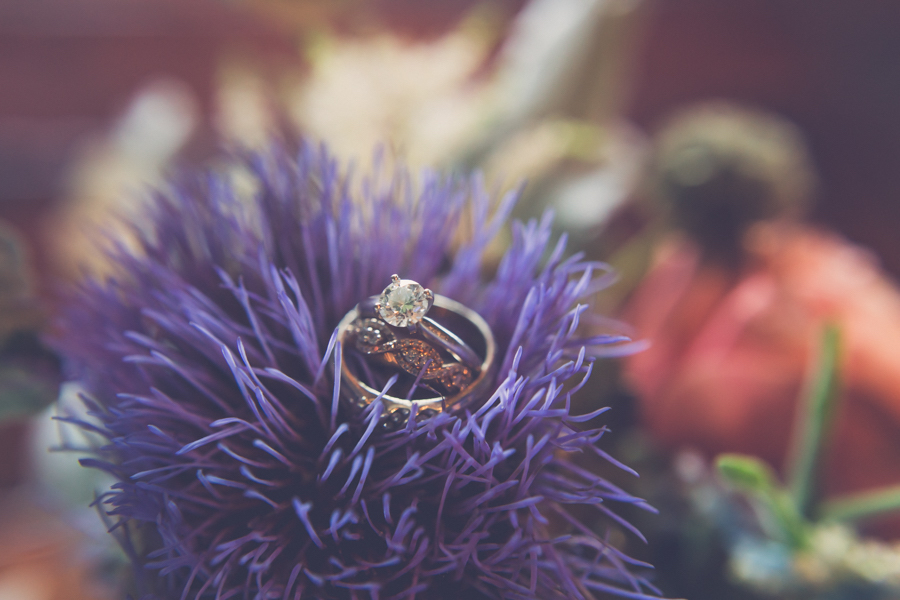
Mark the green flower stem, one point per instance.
(756, 479)
(854, 507)
(813, 423)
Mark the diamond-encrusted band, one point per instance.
(434, 362)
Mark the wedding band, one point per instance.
(436, 362)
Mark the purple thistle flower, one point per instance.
(208, 362)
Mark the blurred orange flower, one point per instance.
(730, 352)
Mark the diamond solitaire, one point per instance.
(404, 302)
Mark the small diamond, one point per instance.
(396, 419)
(455, 377)
(417, 356)
(426, 413)
(403, 303)
(372, 336)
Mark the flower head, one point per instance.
(209, 363)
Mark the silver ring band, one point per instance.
(434, 332)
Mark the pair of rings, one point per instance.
(408, 346)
